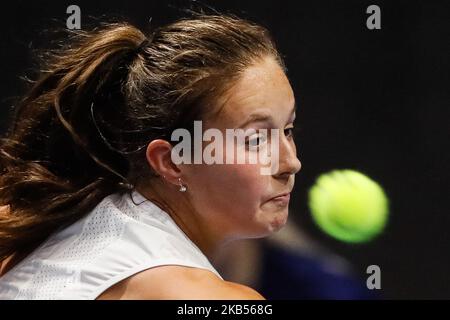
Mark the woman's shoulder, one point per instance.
(172, 282)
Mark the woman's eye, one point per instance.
(256, 141)
(289, 132)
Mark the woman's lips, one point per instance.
(282, 199)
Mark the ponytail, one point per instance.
(55, 165)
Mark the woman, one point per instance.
(98, 208)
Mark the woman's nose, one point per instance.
(289, 162)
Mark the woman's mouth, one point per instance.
(282, 199)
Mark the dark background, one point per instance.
(376, 101)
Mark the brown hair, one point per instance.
(81, 131)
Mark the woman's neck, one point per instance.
(193, 224)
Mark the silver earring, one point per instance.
(182, 186)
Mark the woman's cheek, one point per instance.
(225, 187)
(248, 180)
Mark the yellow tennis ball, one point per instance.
(348, 205)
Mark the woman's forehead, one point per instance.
(262, 88)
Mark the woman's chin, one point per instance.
(279, 221)
(265, 224)
(273, 222)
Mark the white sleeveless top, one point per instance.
(114, 241)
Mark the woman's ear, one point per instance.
(159, 157)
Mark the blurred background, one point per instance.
(376, 101)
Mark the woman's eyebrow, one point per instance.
(263, 117)
(256, 117)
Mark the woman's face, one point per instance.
(237, 198)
